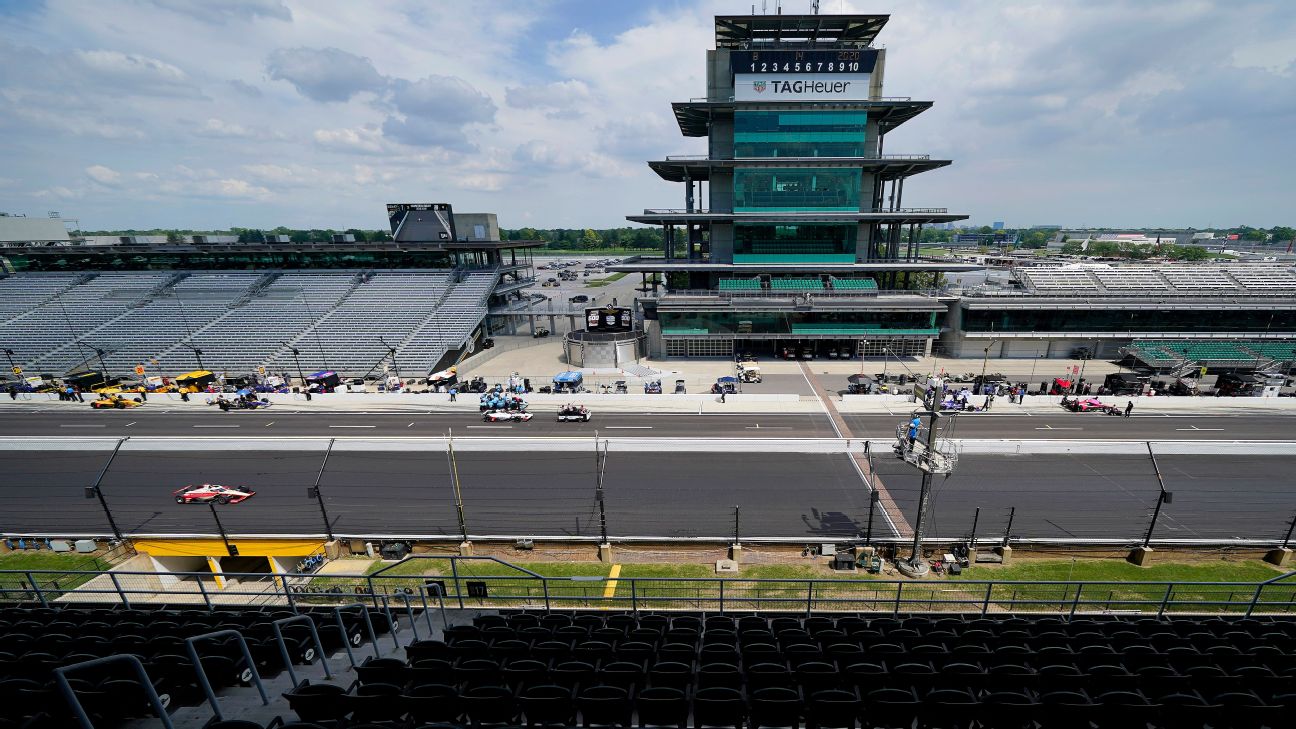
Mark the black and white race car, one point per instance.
(506, 416)
(574, 414)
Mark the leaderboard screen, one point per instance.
(609, 319)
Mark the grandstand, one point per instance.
(1061, 660)
(241, 320)
(1203, 280)
(1227, 354)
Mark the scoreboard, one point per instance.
(813, 75)
(421, 222)
(609, 319)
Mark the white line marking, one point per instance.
(624, 427)
(1193, 427)
(83, 426)
(131, 423)
(769, 427)
(269, 423)
(218, 426)
(1050, 427)
(353, 426)
(411, 425)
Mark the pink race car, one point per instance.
(1090, 405)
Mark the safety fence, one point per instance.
(424, 582)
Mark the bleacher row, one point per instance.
(1170, 352)
(240, 320)
(700, 670)
(1200, 280)
(799, 284)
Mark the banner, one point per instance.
(801, 87)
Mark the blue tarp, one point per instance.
(571, 377)
(321, 375)
(727, 379)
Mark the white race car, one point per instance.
(506, 416)
(573, 414)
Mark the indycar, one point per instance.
(113, 401)
(209, 492)
(1090, 405)
(573, 414)
(506, 416)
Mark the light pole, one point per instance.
(1164, 497)
(97, 489)
(314, 491)
(300, 376)
(197, 353)
(9, 356)
(391, 352)
(985, 360)
(1033, 363)
(230, 549)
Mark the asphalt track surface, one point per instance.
(551, 494)
(519, 493)
(330, 424)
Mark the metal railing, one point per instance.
(487, 582)
(700, 157)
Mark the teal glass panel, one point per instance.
(783, 190)
(799, 133)
(829, 239)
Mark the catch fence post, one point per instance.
(985, 604)
(899, 589)
(1255, 599)
(809, 597)
(634, 597)
(722, 597)
(454, 574)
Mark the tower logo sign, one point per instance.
(758, 87)
(801, 87)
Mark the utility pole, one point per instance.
(737, 511)
(874, 497)
(230, 549)
(9, 356)
(465, 548)
(97, 489)
(314, 491)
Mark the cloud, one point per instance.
(434, 110)
(560, 95)
(246, 89)
(221, 129)
(226, 11)
(324, 74)
(362, 140)
(103, 175)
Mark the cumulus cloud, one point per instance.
(103, 175)
(223, 130)
(434, 110)
(324, 74)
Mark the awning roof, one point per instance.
(694, 116)
(779, 30)
(886, 168)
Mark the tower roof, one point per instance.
(771, 31)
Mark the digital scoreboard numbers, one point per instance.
(854, 61)
(841, 75)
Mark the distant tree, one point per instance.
(1073, 248)
(1255, 234)
(360, 235)
(1188, 253)
(590, 240)
(985, 229)
(1282, 233)
(1034, 239)
(173, 237)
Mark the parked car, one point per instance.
(579, 299)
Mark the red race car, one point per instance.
(212, 492)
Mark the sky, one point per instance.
(315, 113)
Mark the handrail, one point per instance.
(84, 719)
(706, 157)
(346, 636)
(283, 645)
(202, 672)
(705, 211)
